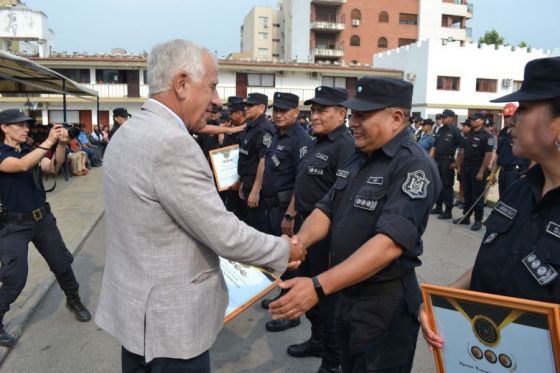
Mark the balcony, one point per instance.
(329, 2)
(458, 10)
(327, 26)
(327, 52)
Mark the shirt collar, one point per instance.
(338, 131)
(289, 132)
(253, 123)
(393, 146)
(179, 120)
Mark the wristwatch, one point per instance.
(289, 217)
(318, 288)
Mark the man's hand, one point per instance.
(236, 186)
(287, 227)
(297, 250)
(241, 191)
(431, 338)
(237, 129)
(253, 200)
(479, 176)
(300, 299)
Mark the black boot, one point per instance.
(311, 347)
(75, 305)
(6, 340)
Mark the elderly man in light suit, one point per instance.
(163, 295)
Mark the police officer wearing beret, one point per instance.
(376, 211)
(316, 175)
(474, 162)
(519, 255)
(25, 215)
(253, 148)
(446, 142)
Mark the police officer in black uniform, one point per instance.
(25, 215)
(519, 254)
(253, 148)
(447, 140)
(333, 145)
(377, 211)
(511, 167)
(474, 161)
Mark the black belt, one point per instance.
(271, 202)
(375, 288)
(280, 199)
(22, 217)
(515, 167)
(445, 157)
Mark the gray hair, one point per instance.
(168, 59)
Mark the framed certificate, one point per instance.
(246, 285)
(492, 333)
(224, 164)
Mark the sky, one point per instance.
(136, 25)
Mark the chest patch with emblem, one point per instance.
(553, 229)
(375, 180)
(491, 237)
(342, 173)
(322, 156)
(542, 272)
(267, 140)
(508, 211)
(365, 203)
(315, 171)
(416, 185)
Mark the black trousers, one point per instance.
(14, 243)
(254, 217)
(132, 363)
(274, 216)
(472, 189)
(323, 316)
(447, 176)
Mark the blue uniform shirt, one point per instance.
(317, 170)
(519, 254)
(389, 192)
(426, 141)
(19, 191)
(254, 145)
(282, 159)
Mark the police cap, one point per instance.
(11, 116)
(257, 99)
(285, 101)
(375, 93)
(121, 112)
(447, 113)
(328, 96)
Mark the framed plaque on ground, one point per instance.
(224, 164)
(492, 333)
(246, 285)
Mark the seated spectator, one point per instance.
(105, 131)
(93, 152)
(77, 159)
(97, 139)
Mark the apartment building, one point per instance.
(260, 35)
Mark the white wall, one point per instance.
(23, 23)
(296, 29)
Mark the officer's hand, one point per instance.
(297, 248)
(479, 176)
(253, 200)
(236, 186)
(237, 129)
(287, 227)
(431, 338)
(300, 299)
(241, 191)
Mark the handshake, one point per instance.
(297, 251)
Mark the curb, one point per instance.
(17, 325)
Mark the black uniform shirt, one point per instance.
(282, 159)
(520, 253)
(317, 171)
(389, 192)
(504, 151)
(254, 145)
(447, 140)
(477, 144)
(18, 190)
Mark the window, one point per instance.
(408, 19)
(403, 42)
(383, 17)
(355, 41)
(276, 55)
(448, 83)
(263, 51)
(260, 80)
(263, 35)
(356, 16)
(263, 21)
(145, 73)
(77, 75)
(382, 42)
(451, 21)
(276, 25)
(276, 40)
(486, 85)
(104, 76)
(334, 81)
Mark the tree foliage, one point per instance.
(492, 37)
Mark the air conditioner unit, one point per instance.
(506, 82)
(314, 74)
(355, 22)
(411, 77)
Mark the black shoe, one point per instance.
(457, 203)
(465, 221)
(461, 205)
(311, 347)
(445, 216)
(476, 226)
(323, 369)
(6, 340)
(281, 325)
(74, 304)
(436, 211)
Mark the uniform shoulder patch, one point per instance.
(416, 185)
(267, 140)
(490, 141)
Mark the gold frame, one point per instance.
(550, 310)
(211, 154)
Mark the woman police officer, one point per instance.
(520, 252)
(26, 216)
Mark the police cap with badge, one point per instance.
(256, 99)
(11, 116)
(376, 93)
(285, 101)
(235, 103)
(328, 96)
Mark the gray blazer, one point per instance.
(163, 294)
